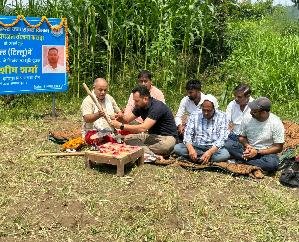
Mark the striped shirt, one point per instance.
(202, 131)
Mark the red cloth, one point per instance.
(123, 132)
(98, 141)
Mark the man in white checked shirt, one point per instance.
(205, 134)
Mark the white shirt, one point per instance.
(262, 135)
(187, 106)
(235, 115)
(49, 69)
(89, 107)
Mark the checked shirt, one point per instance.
(201, 131)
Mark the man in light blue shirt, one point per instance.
(205, 134)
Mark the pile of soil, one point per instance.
(73, 130)
(291, 134)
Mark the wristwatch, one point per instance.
(122, 126)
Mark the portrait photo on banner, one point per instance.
(53, 59)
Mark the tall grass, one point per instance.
(110, 38)
(176, 40)
(2, 5)
(265, 54)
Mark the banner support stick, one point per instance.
(54, 114)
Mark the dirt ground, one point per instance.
(57, 199)
(291, 134)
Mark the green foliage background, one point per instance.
(264, 54)
(218, 41)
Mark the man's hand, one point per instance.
(181, 129)
(115, 123)
(249, 152)
(230, 126)
(192, 153)
(101, 114)
(119, 116)
(205, 158)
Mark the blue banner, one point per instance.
(33, 56)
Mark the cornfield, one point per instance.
(217, 41)
(115, 39)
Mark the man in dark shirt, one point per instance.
(158, 123)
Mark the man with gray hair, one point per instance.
(261, 137)
(205, 134)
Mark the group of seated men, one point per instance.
(246, 133)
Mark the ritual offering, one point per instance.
(115, 154)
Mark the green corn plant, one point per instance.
(3, 6)
(174, 39)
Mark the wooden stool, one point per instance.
(114, 155)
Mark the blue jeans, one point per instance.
(266, 162)
(221, 155)
(233, 136)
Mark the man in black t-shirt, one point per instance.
(158, 122)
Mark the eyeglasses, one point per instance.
(256, 111)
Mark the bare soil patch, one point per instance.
(57, 199)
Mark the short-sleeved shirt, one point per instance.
(187, 106)
(89, 107)
(154, 92)
(236, 115)
(158, 111)
(262, 135)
